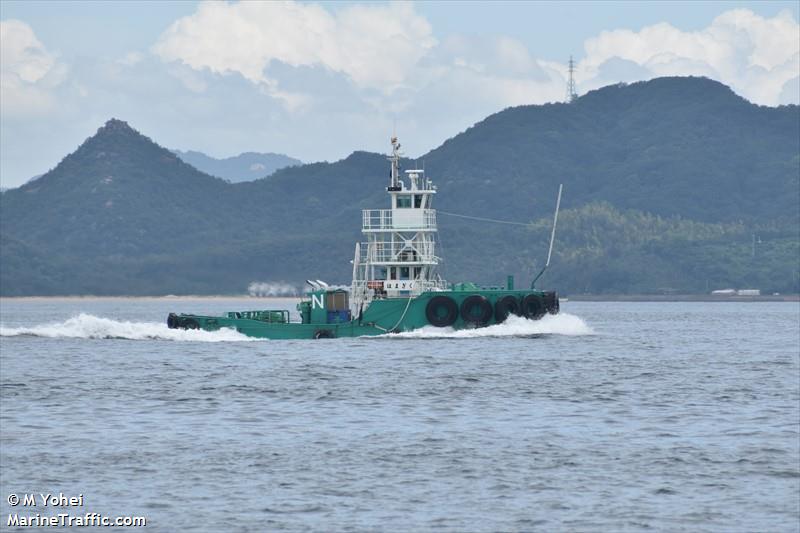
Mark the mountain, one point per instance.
(666, 184)
(100, 200)
(247, 166)
(669, 146)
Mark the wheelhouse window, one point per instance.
(403, 200)
(417, 201)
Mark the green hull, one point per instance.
(473, 308)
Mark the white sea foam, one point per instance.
(514, 326)
(85, 326)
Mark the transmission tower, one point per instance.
(572, 95)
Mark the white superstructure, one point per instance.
(398, 258)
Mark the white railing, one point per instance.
(384, 253)
(411, 219)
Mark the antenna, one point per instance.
(394, 175)
(552, 237)
(572, 95)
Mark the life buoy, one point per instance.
(476, 310)
(551, 302)
(533, 306)
(507, 305)
(441, 311)
(324, 334)
(190, 323)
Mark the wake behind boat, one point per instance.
(395, 285)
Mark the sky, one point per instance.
(319, 80)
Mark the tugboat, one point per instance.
(395, 285)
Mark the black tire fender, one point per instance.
(435, 307)
(324, 334)
(504, 306)
(479, 303)
(551, 304)
(533, 306)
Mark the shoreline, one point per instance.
(680, 298)
(567, 297)
(165, 297)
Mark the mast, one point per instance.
(552, 237)
(394, 173)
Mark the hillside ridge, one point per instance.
(673, 148)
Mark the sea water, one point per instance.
(608, 417)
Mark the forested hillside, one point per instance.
(667, 185)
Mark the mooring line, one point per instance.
(483, 219)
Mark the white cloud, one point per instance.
(388, 54)
(490, 56)
(754, 55)
(27, 70)
(190, 78)
(21, 53)
(375, 46)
